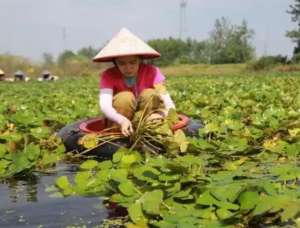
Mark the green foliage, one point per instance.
(296, 58)
(243, 170)
(170, 49)
(68, 63)
(230, 43)
(295, 34)
(79, 63)
(227, 44)
(89, 52)
(64, 57)
(10, 64)
(19, 156)
(30, 114)
(267, 62)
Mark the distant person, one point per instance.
(46, 76)
(2, 75)
(20, 76)
(130, 84)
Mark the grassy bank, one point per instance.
(204, 69)
(228, 70)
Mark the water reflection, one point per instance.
(23, 188)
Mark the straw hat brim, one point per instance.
(125, 44)
(19, 73)
(113, 57)
(45, 72)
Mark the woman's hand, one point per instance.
(126, 127)
(158, 115)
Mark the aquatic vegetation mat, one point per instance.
(241, 171)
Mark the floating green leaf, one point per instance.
(89, 164)
(151, 202)
(127, 188)
(248, 200)
(136, 214)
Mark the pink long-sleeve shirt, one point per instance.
(112, 82)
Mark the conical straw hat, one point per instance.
(19, 72)
(123, 44)
(1, 72)
(46, 72)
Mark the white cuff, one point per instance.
(167, 101)
(105, 102)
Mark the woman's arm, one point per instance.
(165, 96)
(168, 102)
(105, 102)
(159, 86)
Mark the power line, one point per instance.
(182, 18)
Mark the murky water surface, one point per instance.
(24, 202)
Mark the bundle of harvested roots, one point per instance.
(152, 133)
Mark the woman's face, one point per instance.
(128, 65)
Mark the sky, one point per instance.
(32, 27)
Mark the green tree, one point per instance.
(199, 51)
(64, 56)
(89, 52)
(195, 52)
(77, 66)
(170, 49)
(295, 34)
(230, 43)
(11, 63)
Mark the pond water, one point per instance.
(24, 202)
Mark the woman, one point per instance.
(2, 75)
(130, 85)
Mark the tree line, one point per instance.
(227, 43)
(294, 34)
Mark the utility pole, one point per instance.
(266, 39)
(182, 18)
(64, 38)
(64, 43)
